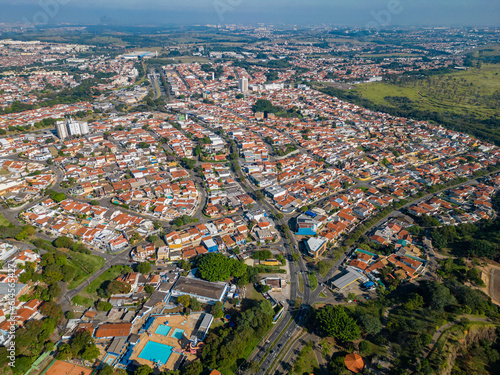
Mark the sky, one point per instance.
(374, 13)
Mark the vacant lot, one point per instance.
(85, 265)
(88, 296)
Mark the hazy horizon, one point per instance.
(363, 13)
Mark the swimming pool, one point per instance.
(154, 352)
(177, 333)
(163, 329)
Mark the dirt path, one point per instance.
(491, 278)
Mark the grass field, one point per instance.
(251, 293)
(313, 281)
(89, 295)
(3, 221)
(306, 362)
(110, 274)
(85, 265)
(82, 301)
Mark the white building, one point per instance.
(71, 127)
(243, 84)
(62, 133)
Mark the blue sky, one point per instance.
(331, 12)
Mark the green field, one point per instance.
(89, 295)
(3, 221)
(85, 265)
(313, 281)
(306, 362)
(82, 301)
(110, 274)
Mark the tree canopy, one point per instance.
(335, 322)
(217, 267)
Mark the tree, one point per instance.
(436, 295)
(149, 289)
(217, 310)
(262, 255)
(483, 248)
(104, 306)
(51, 310)
(364, 347)
(337, 367)
(94, 203)
(351, 296)
(106, 370)
(90, 353)
(184, 300)
(152, 238)
(143, 370)
(57, 197)
(336, 323)
(144, 268)
(194, 368)
(214, 267)
(184, 264)
(371, 324)
(63, 242)
(195, 304)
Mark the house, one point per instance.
(210, 245)
(275, 283)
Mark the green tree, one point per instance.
(104, 306)
(106, 370)
(195, 304)
(262, 255)
(214, 267)
(437, 296)
(336, 323)
(149, 289)
(194, 368)
(143, 370)
(144, 268)
(371, 324)
(184, 300)
(90, 353)
(217, 310)
(51, 310)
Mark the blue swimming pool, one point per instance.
(178, 333)
(163, 330)
(154, 352)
